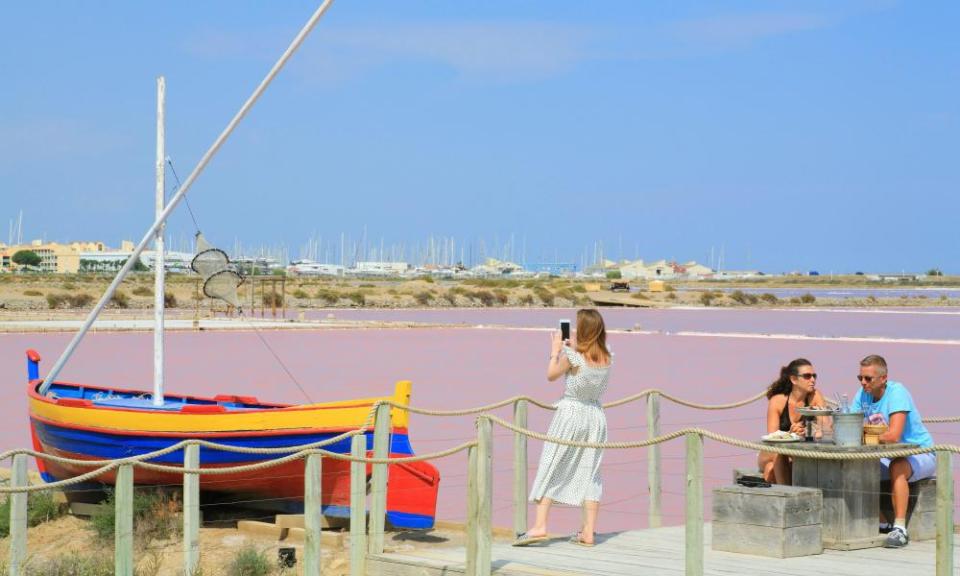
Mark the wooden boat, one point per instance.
(94, 422)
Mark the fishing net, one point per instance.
(209, 260)
(221, 279)
(223, 285)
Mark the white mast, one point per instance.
(158, 257)
(175, 199)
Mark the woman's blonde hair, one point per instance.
(592, 336)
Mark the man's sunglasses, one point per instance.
(808, 376)
(867, 379)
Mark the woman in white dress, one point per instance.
(569, 474)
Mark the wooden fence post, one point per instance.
(378, 491)
(519, 469)
(123, 522)
(470, 568)
(18, 515)
(944, 514)
(654, 486)
(484, 477)
(312, 515)
(191, 510)
(358, 506)
(693, 541)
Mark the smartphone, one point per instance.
(564, 330)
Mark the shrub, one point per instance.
(272, 299)
(32, 293)
(872, 299)
(741, 297)
(357, 297)
(80, 300)
(423, 298)
(427, 279)
(672, 296)
(156, 515)
(527, 299)
(450, 296)
(579, 288)
(249, 562)
(669, 288)
(706, 298)
(639, 296)
(367, 286)
(69, 286)
(502, 296)
(808, 298)
(74, 564)
(142, 291)
(41, 507)
(301, 294)
(327, 295)
(795, 300)
(769, 298)
(119, 299)
(169, 300)
(486, 297)
(614, 275)
(544, 294)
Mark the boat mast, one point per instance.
(159, 301)
(151, 233)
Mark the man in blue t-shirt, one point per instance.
(888, 402)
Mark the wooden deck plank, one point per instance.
(655, 552)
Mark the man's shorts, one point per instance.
(923, 465)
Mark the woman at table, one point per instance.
(795, 388)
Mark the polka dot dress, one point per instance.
(568, 474)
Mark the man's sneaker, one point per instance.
(897, 538)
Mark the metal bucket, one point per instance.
(848, 429)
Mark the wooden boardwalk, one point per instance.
(653, 553)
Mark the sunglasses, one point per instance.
(867, 379)
(808, 375)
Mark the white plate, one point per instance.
(792, 438)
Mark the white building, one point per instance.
(311, 268)
(380, 268)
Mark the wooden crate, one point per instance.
(779, 521)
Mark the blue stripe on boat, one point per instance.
(103, 445)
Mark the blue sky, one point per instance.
(793, 135)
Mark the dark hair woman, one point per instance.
(795, 388)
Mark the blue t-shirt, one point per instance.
(895, 398)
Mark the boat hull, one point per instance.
(72, 423)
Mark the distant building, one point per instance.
(379, 268)
(54, 257)
(311, 268)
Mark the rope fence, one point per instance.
(367, 534)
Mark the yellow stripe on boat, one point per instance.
(347, 414)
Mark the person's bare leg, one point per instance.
(782, 470)
(900, 472)
(540, 523)
(591, 508)
(765, 464)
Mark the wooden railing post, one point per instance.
(693, 542)
(654, 486)
(378, 491)
(191, 511)
(312, 514)
(18, 516)
(472, 498)
(944, 514)
(358, 507)
(519, 469)
(123, 522)
(484, 476)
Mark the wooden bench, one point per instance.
(921, 508)
(779, 521)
